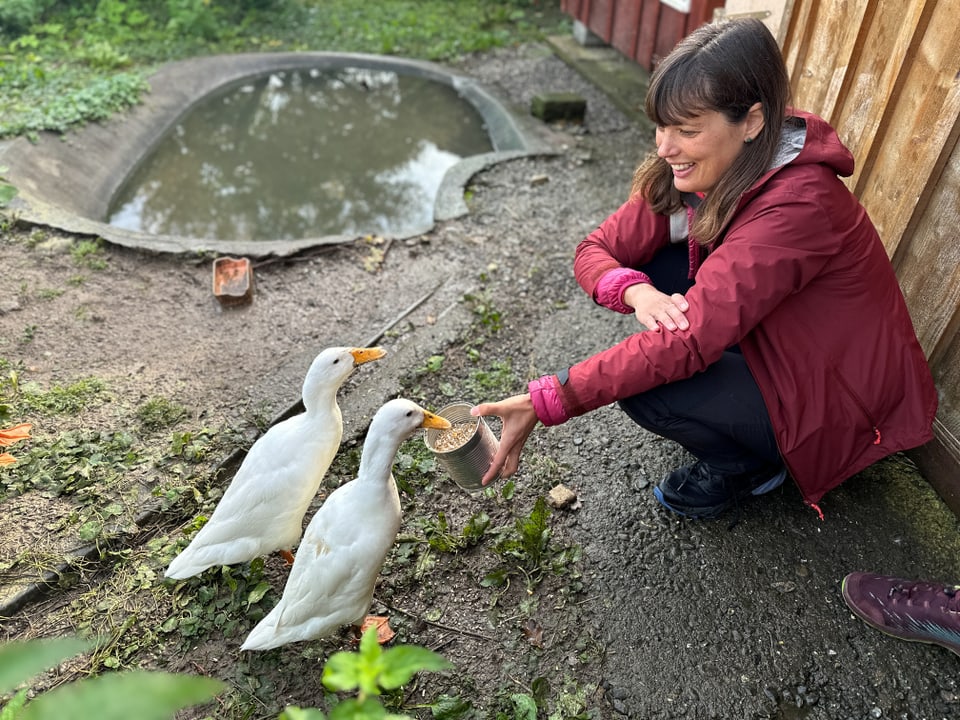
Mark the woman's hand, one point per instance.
(519, 419)
(654, 308)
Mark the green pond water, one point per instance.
(304, 154)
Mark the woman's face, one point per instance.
(702, 148)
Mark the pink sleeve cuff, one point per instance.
(609, 291)
(546, 400)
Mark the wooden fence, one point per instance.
(886, 74)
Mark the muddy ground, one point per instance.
(626, 611)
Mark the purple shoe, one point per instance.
(915, 611)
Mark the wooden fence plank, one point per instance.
(649, 21)
(918, 129)
(818, 80)
(627, 28)
(876, 78)
(929, 268)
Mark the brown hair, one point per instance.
(726, 67)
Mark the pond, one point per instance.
(304, 153)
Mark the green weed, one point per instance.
(487, 313)
(526, 552)
(158, 413)
(215, 602)
(141, 694)
(414, 467)
(60, 399)
(88, 254)
(442, 538)
(72, 462)
(373, 670)
(7, 191)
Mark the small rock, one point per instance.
(562, 497)
(540, 179)
(9, 305)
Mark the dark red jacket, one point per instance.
(803, 283)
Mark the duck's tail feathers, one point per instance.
(197, 557)
(264, 635)
(186, 565)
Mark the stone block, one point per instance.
(558, 106)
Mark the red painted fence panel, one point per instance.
(643, 30)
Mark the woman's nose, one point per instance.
(664, 144)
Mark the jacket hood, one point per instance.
(820, 143)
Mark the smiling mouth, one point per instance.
(681, 168)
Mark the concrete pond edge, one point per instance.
(68, 181)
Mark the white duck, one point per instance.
(262, 510)
(334, 574)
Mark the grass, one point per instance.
(83, 61)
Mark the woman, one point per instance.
(776, 336)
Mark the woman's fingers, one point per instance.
(666, 311)
(519, 419)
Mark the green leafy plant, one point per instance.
(442, 539)
(73, 462)
(371, 671)
(141, 694)
(215, 602)
(527, 551)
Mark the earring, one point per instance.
(747, 141)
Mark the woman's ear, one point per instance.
(754, 122)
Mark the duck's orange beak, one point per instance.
(365, 355)
(434, 421)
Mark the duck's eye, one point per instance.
(336, 360)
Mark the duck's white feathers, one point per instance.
(333, 577)
(335, 571)
(262, 510)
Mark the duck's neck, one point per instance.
(320, 401)
(376, 460)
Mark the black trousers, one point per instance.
(718, 415)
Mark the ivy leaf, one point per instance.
(525, 706)
(256, 595)
(450, 708)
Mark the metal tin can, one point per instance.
(467, 462)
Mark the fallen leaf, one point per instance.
(15, 434)
(534, 632)
(384, 632)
